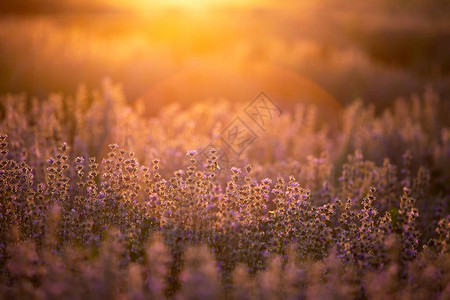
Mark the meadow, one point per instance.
(224, 149)
(307, 211)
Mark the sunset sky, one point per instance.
(133, 5)
(349, 49)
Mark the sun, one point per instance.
(189, 4)
(186, 5)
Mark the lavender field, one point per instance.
(224, 149)
(357, 211)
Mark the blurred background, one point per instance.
(374, 50)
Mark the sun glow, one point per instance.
(187, 5)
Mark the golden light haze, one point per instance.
(192, 5)
(349, 49)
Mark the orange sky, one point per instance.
(140, 6)
(142, 42)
